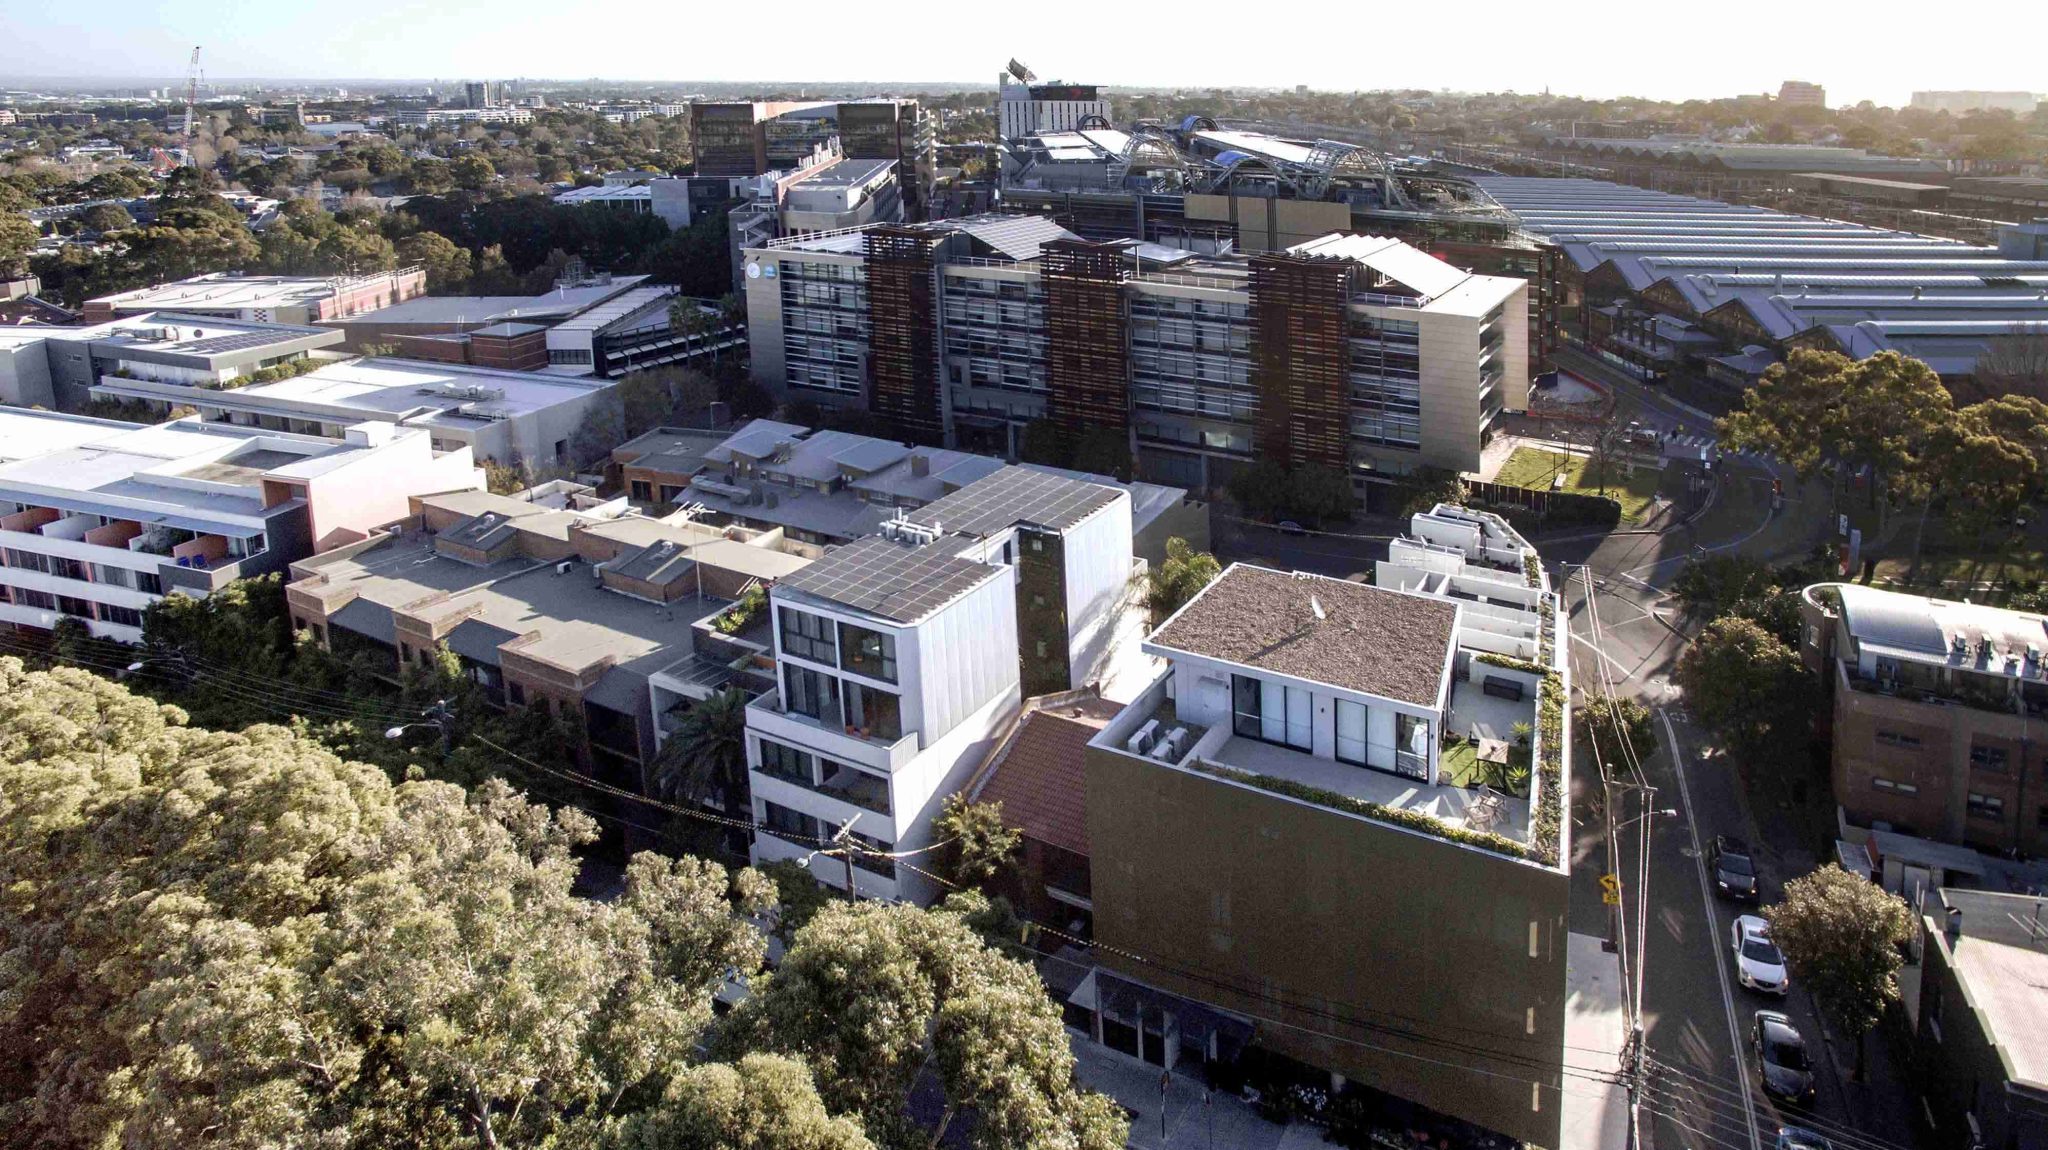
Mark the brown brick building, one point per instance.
(1934, 711)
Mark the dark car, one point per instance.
(1781, 1057)
(1800, 1138)
(1734, 872)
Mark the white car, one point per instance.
(1758, 965)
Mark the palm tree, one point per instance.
(705, 758)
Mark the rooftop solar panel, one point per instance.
(893, 580)
(1016, 495)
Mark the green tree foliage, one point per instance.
(1841, 936)
(1428, 486)
(705, 758)
(1748, 687)
(761, 1102)
(870, 992)
(471, 172)
(1270, 491)
(798, 896)
(243, 933)
(980, 845)
(1180, 578)
(1748, 588)
(1613, 729)
(104, 218)
(1881, 412)
(17, 239)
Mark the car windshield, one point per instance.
(1737, 864)
(1790, 1055)
(1760, 950)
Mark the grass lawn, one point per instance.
(1534, 468)
(1962, 559)
(1462, 768)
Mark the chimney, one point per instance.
(1955, 923)
(920, 464)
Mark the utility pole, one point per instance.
(847, 843)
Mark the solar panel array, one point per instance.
(236, 341)
(890, 579)
(1017, 495)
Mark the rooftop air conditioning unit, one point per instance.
(564, 567)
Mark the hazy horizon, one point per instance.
(1600, 50)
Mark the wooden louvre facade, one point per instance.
(1301, 358)
(902, 341)
(1087, 368)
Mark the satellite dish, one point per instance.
(753, 271)
(1023, 74)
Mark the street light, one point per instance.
(438, 717)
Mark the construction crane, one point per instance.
(191, 105)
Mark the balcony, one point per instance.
(832, 740)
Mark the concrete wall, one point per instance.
(25, 374)
(1443, 965)
(346, 502)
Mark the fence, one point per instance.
(1555, 508)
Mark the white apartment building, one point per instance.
(897, 666)
(99, 519)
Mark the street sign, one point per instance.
(1610, 890)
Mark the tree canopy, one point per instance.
(1747, 686)
(1841, 936)
(1178, 579)
(243, 934)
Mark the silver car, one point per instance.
(1758, 963)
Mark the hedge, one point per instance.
(1412, 820)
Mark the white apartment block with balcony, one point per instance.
(99, 519)
(897, 664)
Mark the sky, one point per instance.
(1880, 50)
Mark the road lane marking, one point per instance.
(1699, 862)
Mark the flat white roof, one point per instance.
(414, 390)
(233, 290)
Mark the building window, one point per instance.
(1985, 758)
(1271, 712)
(642, 491)
(813, 693)
(790, 824)
(874, 714)
(1897, 739)
(808, 636)
(869, 653)
(125, 616)
(40, 600)
(782, 761)
(78, 608)
(1351, 731)
(1884, 784)
(1986, 806)
(516, 691)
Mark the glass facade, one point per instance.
(1192, 357)
(824, 325)
(1386, 381)
(995, 332)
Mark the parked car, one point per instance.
(1758, 963)
(1289, 527)
(1644, 433)
(1800, 1138)
(1734, 872)
(1781, 1057)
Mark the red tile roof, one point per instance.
(1039, 776)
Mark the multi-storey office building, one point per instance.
(266, 299)
(66, 367)
(1349, 351)
(505, 416)
(100, 519)
(1023, 108)
(1344, 764)
(1933, 709)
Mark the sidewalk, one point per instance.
(1224, 1121)
(1595, 1114)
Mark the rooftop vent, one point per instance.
(920, 464)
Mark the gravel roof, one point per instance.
(1373, 641)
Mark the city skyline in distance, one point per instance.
(1604, 49)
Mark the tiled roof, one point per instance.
(1040, 778)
